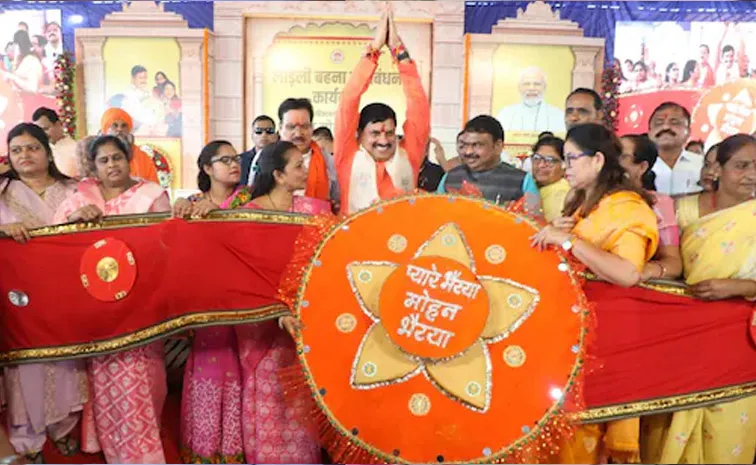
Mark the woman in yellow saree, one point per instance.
(719, 256)
(548, 171)
(610, 227)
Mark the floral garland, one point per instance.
(162, 166)
(610, 84)
(64, 85)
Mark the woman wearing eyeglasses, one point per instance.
(610, 227)
(44, 399)
(211, 401)
(638, 157)
(548, 171)
(218, 181)
(128, 387)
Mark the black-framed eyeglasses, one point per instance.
(570, 158)
(545, 159)
(227, 160)
(260, 131)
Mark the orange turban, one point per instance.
(112, 115)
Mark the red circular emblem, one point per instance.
(108, 270)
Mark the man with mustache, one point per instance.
(583, 106)
(118, 123)
(677, 170)
(372, 164)
(296, 116)
(483, 173)
(532, 114)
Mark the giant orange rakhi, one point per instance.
(433, 332)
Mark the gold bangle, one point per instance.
(663, 270)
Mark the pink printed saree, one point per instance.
(233, 407)
(129, 387)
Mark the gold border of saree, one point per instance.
(667, 404)
(131, 221)
(146, 335)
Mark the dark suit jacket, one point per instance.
(246, 165)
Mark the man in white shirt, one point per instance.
(677, 170)
(54, 46)
(532, 114)
(63, 146)
(727, 70)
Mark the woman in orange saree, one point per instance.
(609, 227)
(719, 255)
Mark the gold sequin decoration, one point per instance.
(496, 254)
(449, 240)
(514, 300)
(346, 322)
(369, 369)
(419, 404)
(364, 276)
(397, 243)
(107, 269)
(473, 389)
(514, 356)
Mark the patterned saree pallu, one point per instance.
(434, 313)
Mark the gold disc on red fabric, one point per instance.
(108, 270)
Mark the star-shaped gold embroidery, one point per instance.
(442, 326)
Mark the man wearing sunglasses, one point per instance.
(263, 133)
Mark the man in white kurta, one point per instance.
(533, 114)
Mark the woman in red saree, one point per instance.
(609, 227)
(128, 388)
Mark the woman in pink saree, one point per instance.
(211, 401)
(233, 407)
(44, 399)
(129, 387)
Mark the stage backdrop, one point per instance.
(313, 57)
(523, 71)
(147, 61)
(708, 67)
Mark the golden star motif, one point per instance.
(464, 376)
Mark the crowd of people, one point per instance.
(29, 60)
(630, 208)
(728, 64)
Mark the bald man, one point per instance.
(118, 123)
(532, 114)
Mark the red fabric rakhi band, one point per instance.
(187, 274)
(652, 345)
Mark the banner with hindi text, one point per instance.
(316, 63)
